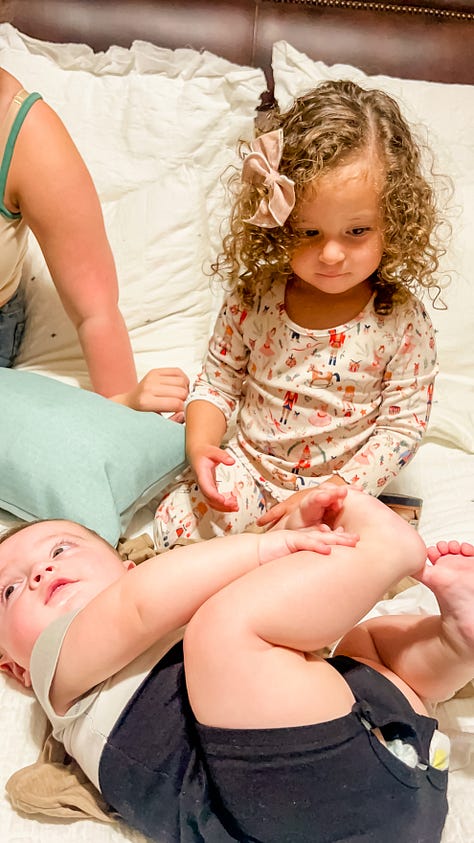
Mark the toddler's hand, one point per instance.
(307, 508)
(204, 461)
(277, 543)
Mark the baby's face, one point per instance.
(47, 570)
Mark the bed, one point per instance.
(156, 94)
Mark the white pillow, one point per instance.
(159, 234)
(157, 128)
(443, 115)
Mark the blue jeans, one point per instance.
(12, 326)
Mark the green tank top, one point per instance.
(16, 114)
(13, 229)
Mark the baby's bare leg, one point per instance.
(378, 526)
(248, 645)
(433, 654)
(344, 508)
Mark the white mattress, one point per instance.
(444, 478)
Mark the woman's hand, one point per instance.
(160, 391)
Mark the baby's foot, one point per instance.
(451, 579)
(451, 548)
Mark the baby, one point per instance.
(189, 691)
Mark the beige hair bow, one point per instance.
(261, 167)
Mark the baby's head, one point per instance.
(336, 124)
(47, 569)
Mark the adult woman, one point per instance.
(45, 187)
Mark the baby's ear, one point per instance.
(21, 674)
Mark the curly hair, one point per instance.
(321, 131)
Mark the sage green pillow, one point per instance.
(69, 453)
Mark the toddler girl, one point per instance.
(321, 345)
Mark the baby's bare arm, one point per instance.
(159, 596)
(143, 605)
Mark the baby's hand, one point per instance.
(277, 543)
(204, 462)
(308, 508)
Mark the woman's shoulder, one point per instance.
(8, 81)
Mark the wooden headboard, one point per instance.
(418, 39)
